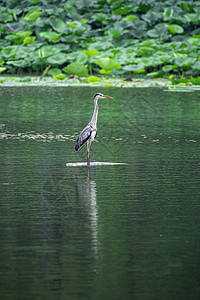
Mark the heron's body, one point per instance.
(89, 133)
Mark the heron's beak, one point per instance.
(105, 96)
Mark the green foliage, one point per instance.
(54, 71)
(2, 69)
(152, 37)
(107, 63)
(92, 79)
(60, 76)
(76, 69)
(57, 59)
(168, 13)
(50, 35)
(90, 52)
(32, 15)
(174, 28)
(57, 24)
(195, 81)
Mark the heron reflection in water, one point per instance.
(89, 133)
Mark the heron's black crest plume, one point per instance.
(98, 94)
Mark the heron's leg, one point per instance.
(88, 153)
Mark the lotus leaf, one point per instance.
(74, 24)
(57, 24)
(32, 15)
(116, 32)
(196, 65)
(50, 35)
(76, 69)
(130, 18)
(5, 16)
(123, 10)
(105, 72)
(133, 68)
(23, 34)
(29, 40)
(57, 59)
(107, 63)
(60, 76)
(192, 18)
(174, 28)
(194, 41)
(2, 69)
(48, 50)
(154, 35)
(159, 31)
(90, 52)
(195, 81)
(184, 62)
(99, 17)
(168, 13)
(54, 71)
(169, 68)
(151, 16)
(92, 79)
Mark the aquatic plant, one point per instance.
(154, 37)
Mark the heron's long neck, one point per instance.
(95, 114)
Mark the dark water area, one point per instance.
(111, 232)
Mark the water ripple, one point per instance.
(50, 137)
(44, 137)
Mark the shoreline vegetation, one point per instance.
(102, 42)
(48, 81)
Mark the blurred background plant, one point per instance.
(117, 38)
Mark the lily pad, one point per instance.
(195, 81)
(29, 40)
(32, 15)
(23, 34)
(116, 32)
(74, 24)
(105, 72)
(48, 50)
(168, 68)
(57, 59)
(168, 13)
(123, 10)
(54, 71)
(57, 24)
(92, 79)
(133, 68)
(130, 18)
(60, 76)
(50, 35)
(90, 52)
(107, 63)
(174, 28)
(76, 69)
(2, 69)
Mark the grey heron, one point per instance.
(89, 133)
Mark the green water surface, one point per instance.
(111, 232)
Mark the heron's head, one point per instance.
(99, 95)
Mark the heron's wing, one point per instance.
(83, 137)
